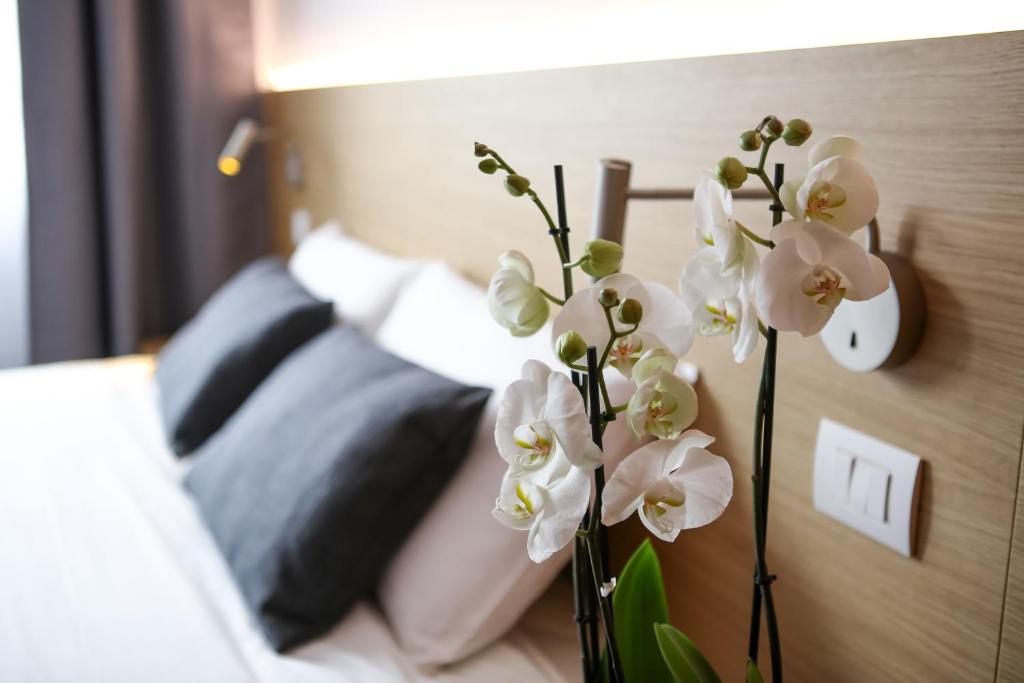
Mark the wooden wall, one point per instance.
(943, 124)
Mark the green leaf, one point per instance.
(753, 673)
(681, 670)
(639, 603)
(683, 658)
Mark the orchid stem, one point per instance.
(754, 237)
(771, 189)
(764, 153)
(606, 613)
(615, 334)
(604, 390)
(562, 250)
(577, 262)
(585, 586)
(596, 547)
(551, 297)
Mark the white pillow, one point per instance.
(462, 580)
(361, 281)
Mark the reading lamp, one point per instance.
(613, 193)
(861, 336)
(247, 132)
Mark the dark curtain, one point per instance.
(131, 227)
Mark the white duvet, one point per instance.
(107, 573)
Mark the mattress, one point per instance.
(107, 573)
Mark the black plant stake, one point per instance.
(762, 476)
(595, 547)
(583, 588)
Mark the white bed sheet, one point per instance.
(107, 573)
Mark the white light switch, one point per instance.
(869, 489)
(878, 493)
(859, 483)
(842, 472)
(867, 484)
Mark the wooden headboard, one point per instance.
(943, 126)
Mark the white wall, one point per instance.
(13, 197)
(322, 43)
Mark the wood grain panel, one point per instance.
(1011, 648)
(943, 123)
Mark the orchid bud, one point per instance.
(480, 149)
(488, 166)
(772, 128)
(608, 297)
(630, 312)
(796, 133)
(570, 347)
(517, 185)
(750, 141)
(601, 258)
(731, 172)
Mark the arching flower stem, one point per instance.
(754, 237)
(760, 172)
(551, 297)
(552, 228)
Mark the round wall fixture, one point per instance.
(882, 332)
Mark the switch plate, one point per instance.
(867, 484)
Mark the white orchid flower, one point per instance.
(550, 504)
(811, 270)
(651, 361)
(666, 321)
(714, 225)
(674, 485)
(662, 406)
(722, 303)
(514, 300)
(542, 418)
(625, 353)
(837, 189)
(543, 433)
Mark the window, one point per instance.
(13, 197)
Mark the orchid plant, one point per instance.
(551, 421)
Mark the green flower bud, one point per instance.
(570, 347)
(630, 312)
(488, 166)
(601, 258)
(731, 172)
(517, 185)
(750, 141)
(480, 149)
(608, 297)
(772, 128)
(796, 133)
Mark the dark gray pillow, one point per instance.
(318, 478)
(215, 361)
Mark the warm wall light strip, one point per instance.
(306, 44)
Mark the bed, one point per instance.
(111, 571)
(110, 575)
